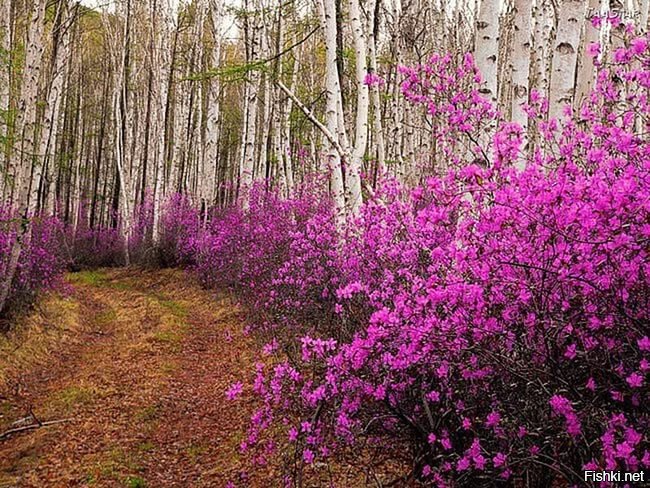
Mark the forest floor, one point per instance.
(131, 367)
(127, 369)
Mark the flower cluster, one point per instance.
(41, 262)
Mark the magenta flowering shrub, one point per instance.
(181, 224)
(491, 324)
(95, 248)
(222, 255)
(103, 246)
(141, 248)
(41, 262)
(462, 120)
(261, 253)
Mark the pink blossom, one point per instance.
(372, 79)
(308, 456)
(635, 380)
(234, 391)
(499, 459)
(593, 49)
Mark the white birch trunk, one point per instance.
(58, 77)
(5, 45)
(361, 123)
(213, 108)
(286, 130)
(395, 131)
(266, 128)
(250, 134)
(333, 96)
(374, 91)
(122, 126)
(543, 14)
(586, 67)
(521, 53)
(76, 193)
(486, 49)
(276, 139)
(22, 159)
(160, 95)
(642, 24)
(565, 55)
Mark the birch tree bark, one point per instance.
(213, 108)
(160, 86)
(22, 158)
(286, 130)
(644, 10)
(333, 96)
(486, 46)
(122, 127)
(277, 112)
(58, 76)
(5, 47)
(78, 153)
(565, 55)
(266, 126)
(250, 134)
(378, 129)
(544, 25)
(396, 132)
(521, 62)
(361, 123)
(586, 68)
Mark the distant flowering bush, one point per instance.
(41, 263)
(141, 246)
(93, 247)
(181, 224)
(490, 324)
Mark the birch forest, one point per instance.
(324, 242)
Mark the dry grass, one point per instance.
(38, 336)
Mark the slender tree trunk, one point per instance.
(22, 160)
(378, 128)
(486, 48)
(644, 10)
(213, 108)
(361, 123)
(251, 126)
(565, 56)
(396, 127)
(333, 96)
(58, 76)
(521, 53)
(162, 72)
(5, 80)
(122, 126)
(286, 130)
(586, 67)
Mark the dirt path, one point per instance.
(142, 383)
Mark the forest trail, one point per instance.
(141, 375)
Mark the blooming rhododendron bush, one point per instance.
(94, 247)
(491, 323)
(41, 263)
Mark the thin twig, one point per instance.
(32, 426)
